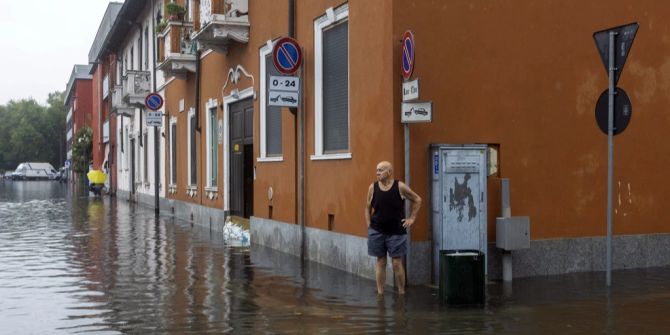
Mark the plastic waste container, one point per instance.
(462, 277)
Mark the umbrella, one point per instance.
(96, 177)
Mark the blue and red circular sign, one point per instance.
(153, 101)
(287, 55)
(407, 54)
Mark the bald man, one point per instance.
(387, 224)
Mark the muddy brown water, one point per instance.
(70, 263)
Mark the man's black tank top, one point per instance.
(389, 210)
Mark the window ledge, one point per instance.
(269, 159)
(330, 157)
(212, 189)
(192, 191)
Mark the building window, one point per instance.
(140, 52)
(132, 57)
(173, 151)
(212, 143)
(145, 163)
(146, 48)
(270, 116)
(331, 40)
(135, 158)
(130, 148)
(192, 153)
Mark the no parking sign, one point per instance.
(407, 54)
(287, 55)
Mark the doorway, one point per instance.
(241, 158)
(132, 166)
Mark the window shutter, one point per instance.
(173, 139)
(194, 156)
(272, 115)
(336, 88)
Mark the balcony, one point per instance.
(120, 107)
(136, 86)
(177, 52)
(223, 22)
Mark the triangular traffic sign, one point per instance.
(623, 40)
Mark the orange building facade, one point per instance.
(518, 79)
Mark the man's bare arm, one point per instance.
(368, 205)
(415, 201)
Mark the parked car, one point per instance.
(35, 171)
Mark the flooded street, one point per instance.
(74, 264)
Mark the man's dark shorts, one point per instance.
(379, 244)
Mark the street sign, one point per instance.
(287, 55)
(284, 91)
(415, 112)
(410, 90)
(283, 99)
(68, 163)
(285, 83)
(407, 54)
(154, 119)
(153, 101)
(623, 111)
(623, 41)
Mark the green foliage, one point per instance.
(82, 149)
(30, 132)
(175, 10)
(161, 26)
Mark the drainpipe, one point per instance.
(110, 156)
(197, 122)
(299, 146)
(153, 89)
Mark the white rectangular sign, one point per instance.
(410, 90)
(412, 112)
(285, 83)
(282, 98)
(154, 119)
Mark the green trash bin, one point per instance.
(462, 277)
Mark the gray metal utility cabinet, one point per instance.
(512, 233)
(458, 199)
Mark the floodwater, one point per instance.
(74, 264)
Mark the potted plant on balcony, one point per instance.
(161, 26)
(174, 11)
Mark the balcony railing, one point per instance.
(119, 106)
(223, 22)
(136, 86)
(177, 54)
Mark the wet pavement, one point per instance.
(70, 263)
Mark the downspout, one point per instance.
(299, 147)
(197, 123)
(153, 89)
(110, 157)
(99, 139)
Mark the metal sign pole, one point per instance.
(408, 208)
(610, 159)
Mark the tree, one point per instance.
(30, 132)
(82, 149)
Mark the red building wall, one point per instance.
(82, 107)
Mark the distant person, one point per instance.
(387, 224)
(96, 189)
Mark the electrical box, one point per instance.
(458, 198)
(513, 233)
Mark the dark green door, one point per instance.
(241, 158)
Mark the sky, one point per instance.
(41, 41)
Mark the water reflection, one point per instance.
(77, 264)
